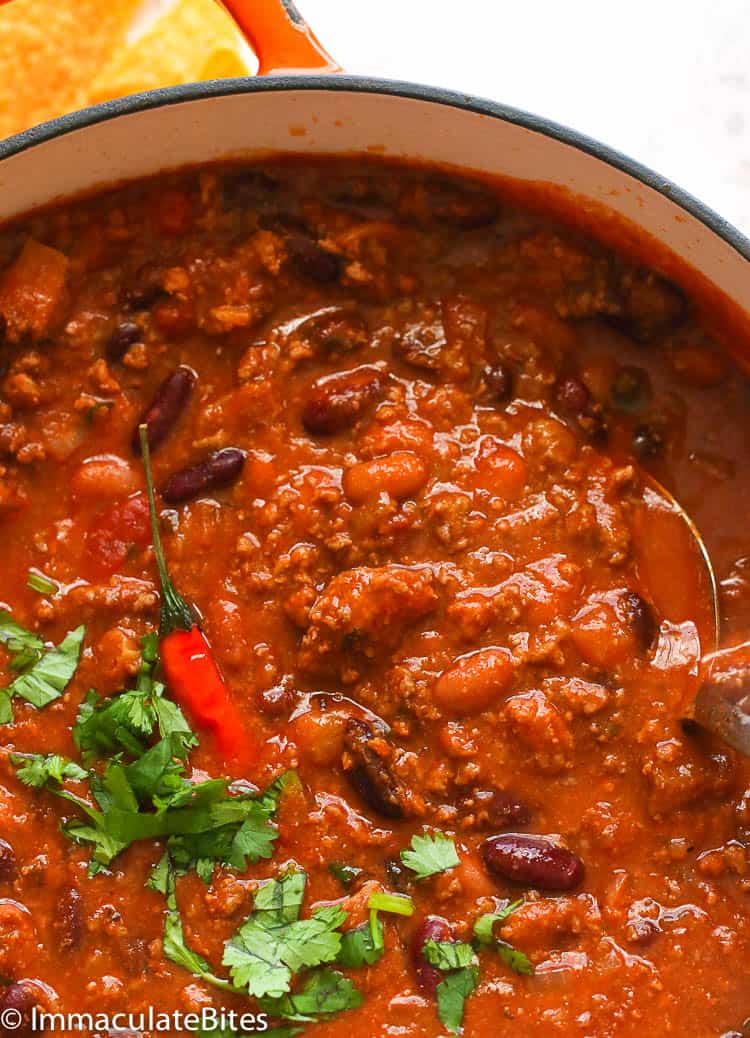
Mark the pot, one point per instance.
(297, 105)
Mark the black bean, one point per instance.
(369, 773)
(337, 401)
(494, 809)
(648, 441)
(572, 396)
(8, 865)
(631, 389)
(122, 338)
(69, 919)
(217, 470)
(434, 928)
(640, 616)
(533, 861)
(168, 404)
(498, 378)
(22, 997)
(312, 261)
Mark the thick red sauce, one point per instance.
(439, 588)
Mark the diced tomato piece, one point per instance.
(114, 533)
(32, 290)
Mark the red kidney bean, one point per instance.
(369, 773)
(277, 701)
(494, 809)
(337, 401)
(533, 861)
(640, 615)
(8, 865)
(649, 306)
(122, 338)
(217, 470)
(3, 326)
(22, 996)
(69, 919)
(166, 407)
(146, 289)
(312, 261)
(434, 928)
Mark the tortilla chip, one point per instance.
(50, 50)
(60, 55)
(196, 40)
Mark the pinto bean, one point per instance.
(474, 682)
(401, 474)
(166, 407)
(69, 919)
(493, 809)
(8, 864)
(122, 338)
(22, 997)
(312, 261)
(337, 401)
(104, 477)
(219, 469)
(533, 861)
(369, 772)
(434, 928)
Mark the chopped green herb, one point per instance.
(363, 945)
(43, 675)
(324, 993)
(397, 904)
(40, 583)
(345, 874)
(452, 994)
(6, 709)
(175, 948)
(430, 855)
(484, 935)
(274, 943)
(36, 770)
(449, 955)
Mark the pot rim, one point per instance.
(165, 96)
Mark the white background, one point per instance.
(665, 81)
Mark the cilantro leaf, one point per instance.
(452, 994)
(324, 993)
(36, 770)
(345, 874)
(175, 948)
(274, 943)
(430, 855)
(363, 945)
(449, 955)
(43, 674)
(484, 935)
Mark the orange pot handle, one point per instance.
(280, 36)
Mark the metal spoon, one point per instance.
(722, 704)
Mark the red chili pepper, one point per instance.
(190, 670)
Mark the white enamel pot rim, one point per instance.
(341, 114)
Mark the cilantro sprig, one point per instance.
(484, 936)
(43, 672)
(430, 855)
